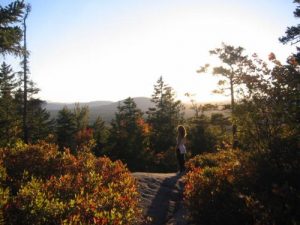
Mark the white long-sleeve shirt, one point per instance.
(181, 145)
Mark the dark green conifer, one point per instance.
(164, 117)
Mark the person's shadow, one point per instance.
(167, 201)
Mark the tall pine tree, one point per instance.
(164, 117)
(234, 68)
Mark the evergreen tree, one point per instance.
(72, 127)
(7, 81)
(66, 129)
(82, 116)
(292, 34)
(17, 100)
(100, 136)
(39, 123)
(10, 32)
(10, 43)
(164, 117)
(128, 135)
(9, 118)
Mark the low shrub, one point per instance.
(235, 187)
(212, 191)
(214, 160)
(4, 192)
(71, 189)
(23, 161)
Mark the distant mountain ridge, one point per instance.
(60, 105)
(105, 109)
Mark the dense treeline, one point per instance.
(143, 140)
(244, 167)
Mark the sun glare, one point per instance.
(115, 51)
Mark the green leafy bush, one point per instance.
(53, 187)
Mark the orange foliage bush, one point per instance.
(84, 138)
(52, 187)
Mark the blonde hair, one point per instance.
(181, 131)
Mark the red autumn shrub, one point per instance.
(71, 189)
(24, 161)
(84, 139)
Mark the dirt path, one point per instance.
(162, 197)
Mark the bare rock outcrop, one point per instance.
(161, 198)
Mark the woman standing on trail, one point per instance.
(180, 147)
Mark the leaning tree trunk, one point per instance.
(234, 127)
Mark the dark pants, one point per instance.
(181, 160)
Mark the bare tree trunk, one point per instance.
(25, 69)
(234, 127)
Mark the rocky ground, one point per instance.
(162, 198)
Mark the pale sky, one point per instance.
(88, 50)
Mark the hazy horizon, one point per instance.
(112, 101)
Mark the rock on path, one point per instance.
(161, 195)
